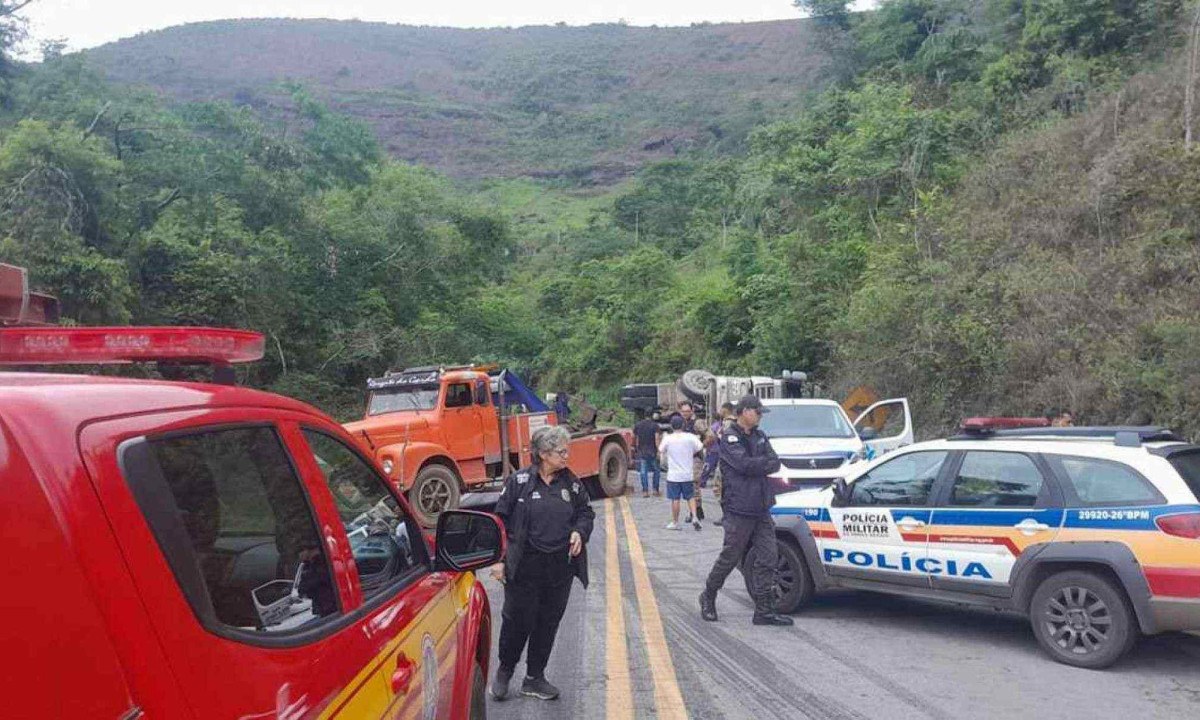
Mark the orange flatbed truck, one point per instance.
(440, 432)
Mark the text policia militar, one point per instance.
(866, 524)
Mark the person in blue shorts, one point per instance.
(677, 449)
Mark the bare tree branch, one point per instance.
(14, 9)
(174, 195)
(96, 120)
(1189, 92)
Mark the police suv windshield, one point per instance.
(422, 397)
(820, 421)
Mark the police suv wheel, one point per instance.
(614, 470)
(793, 582)
(478, 695)
(1082, 619)
(434, 490)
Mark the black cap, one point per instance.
(677, 422)
(751, 402)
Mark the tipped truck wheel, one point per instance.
(478, 695)
(614, 470)
(1082, 619)
(793, 582)
(694, 384)
(434, 490)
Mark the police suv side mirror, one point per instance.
(841, 492)
(468, 540)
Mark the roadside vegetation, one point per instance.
(989, 209)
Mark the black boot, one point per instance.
(708, 607)
(772, 618)
(699, 510)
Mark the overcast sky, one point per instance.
(87, 23)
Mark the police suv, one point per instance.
(1092, 532)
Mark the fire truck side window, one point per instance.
(386, 543)
(458, 395)
(247, 528)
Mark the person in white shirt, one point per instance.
(678, 449)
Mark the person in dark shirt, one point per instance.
(645, 439)
(746, 459)
(712, 455)
(548, 519)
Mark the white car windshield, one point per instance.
(403, 398)
(820, 421)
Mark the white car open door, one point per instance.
(885, 426)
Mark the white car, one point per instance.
(817, 443)
(1092, 532)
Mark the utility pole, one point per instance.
(1189, 92)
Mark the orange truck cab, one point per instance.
(197, 550)
(439, 432)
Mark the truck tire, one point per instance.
(434, 490)
(614, 470)
(794, 584)
(1082, 619)
(694, 384)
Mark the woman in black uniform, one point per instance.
(548, 520)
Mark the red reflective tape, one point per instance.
(977, 540)
(831, 534)
(1173, 581)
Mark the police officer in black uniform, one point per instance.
(548, 520)
(746, 458)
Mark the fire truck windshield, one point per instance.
(399, 399)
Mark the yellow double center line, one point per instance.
(668, 699)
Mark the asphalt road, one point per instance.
(633, 646)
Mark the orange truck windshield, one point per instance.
(403, 398)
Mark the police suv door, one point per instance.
(885, 426)
(879, 533)
(995, 507)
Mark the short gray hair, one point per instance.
(548, 438)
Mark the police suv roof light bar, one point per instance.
(982, 428)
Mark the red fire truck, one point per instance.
(198, 550)
(441, 431)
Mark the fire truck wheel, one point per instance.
(614, 470)
(478, 695)
(434, 490)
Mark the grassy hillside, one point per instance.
(588, 104)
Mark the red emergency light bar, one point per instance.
(989, 424)
(123, 345)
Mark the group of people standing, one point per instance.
(548, 520)
(686, 447)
